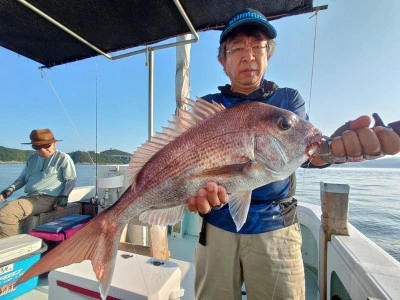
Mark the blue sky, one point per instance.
(356, 72)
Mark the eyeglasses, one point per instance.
(257, 50)
(38, 147)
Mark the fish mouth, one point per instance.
(314, 145)
(313, 149)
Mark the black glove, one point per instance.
(7, 192)
(62, 201)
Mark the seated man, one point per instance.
(48, 176)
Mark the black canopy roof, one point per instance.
(114, 25)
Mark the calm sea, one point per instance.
(374, 196)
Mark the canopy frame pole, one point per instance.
(151, 92)
(195, 38)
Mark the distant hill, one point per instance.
(112, 156)
(14, 155)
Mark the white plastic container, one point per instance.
(17, 246)
(17, 254)
(135, 277)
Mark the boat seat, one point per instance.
(29, 223)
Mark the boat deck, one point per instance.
(182, 253)
(182, 250)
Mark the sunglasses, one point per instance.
(38, 147)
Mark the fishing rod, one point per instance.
(95, 200)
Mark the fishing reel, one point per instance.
(95, 201)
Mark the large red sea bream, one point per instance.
(240, 148)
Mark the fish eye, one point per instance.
(284, 123)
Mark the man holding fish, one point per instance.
(265, 253)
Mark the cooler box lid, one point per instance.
(17, 246)
(135, 277)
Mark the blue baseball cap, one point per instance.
(248, 16)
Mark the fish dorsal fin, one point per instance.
(239, 204)
(162, 217)
(200, 110)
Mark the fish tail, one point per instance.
(97, 241)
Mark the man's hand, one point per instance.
(214, 196)
(58, 208)
(355, 141)
(62, 202)
(6, 193)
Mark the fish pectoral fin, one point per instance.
(164, 216)
(225, 171)
(136, 221)
(239, 204)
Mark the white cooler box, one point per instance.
(15, 247)
(17, 254)
(135, 277)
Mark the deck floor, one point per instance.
(183, 248)
(182, 252)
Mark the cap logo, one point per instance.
(245, 15)
(248, 16)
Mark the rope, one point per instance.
(313, 58)
(43, 75)
(96, 136)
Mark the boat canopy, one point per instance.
(57, 32)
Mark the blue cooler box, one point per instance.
(17, 254)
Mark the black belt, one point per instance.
(289, 213)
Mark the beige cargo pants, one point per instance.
(270, 264)
(19, 209)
